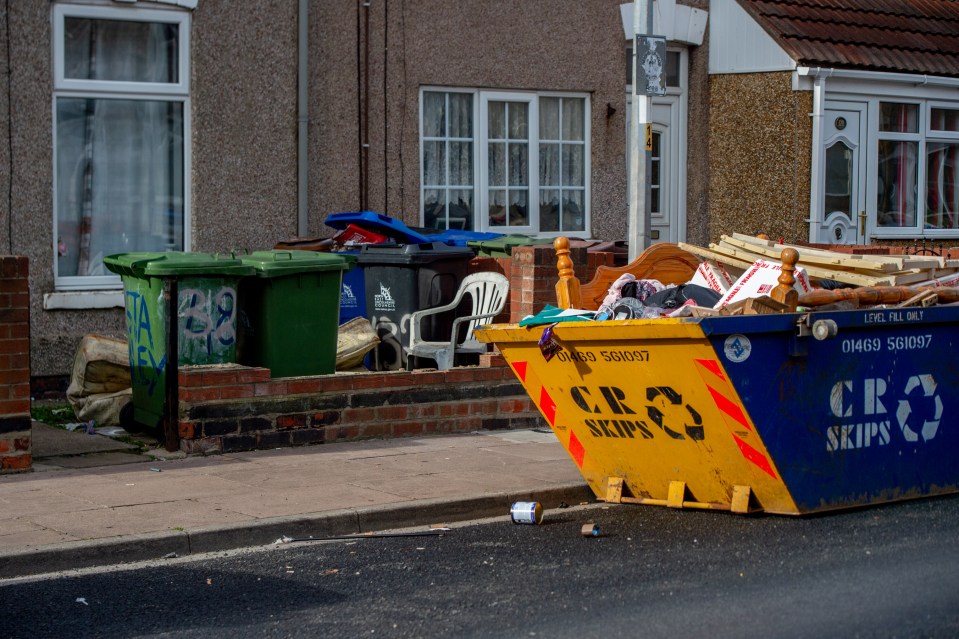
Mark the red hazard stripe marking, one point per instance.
(548, 406)
(733, 410)
(712, 366)
(728, 407)
(755, 457)
(520, 369)
(576, 449)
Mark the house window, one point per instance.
(121, 119)
(504, 162)
(942, 169)
(448, 173)
(917, 175)
(562, 164)
(898, 164)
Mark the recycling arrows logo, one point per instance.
(929, 427)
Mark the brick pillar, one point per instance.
(533, 278)
(15, 424)
(596, 259)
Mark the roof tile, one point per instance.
(907, 36)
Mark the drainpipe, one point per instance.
(365, 142)
(303, 123)
(818, 169)
(9, 78)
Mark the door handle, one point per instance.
(862, 223)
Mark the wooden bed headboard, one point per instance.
(664, 262)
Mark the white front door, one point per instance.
(668, 170)
(844, 167)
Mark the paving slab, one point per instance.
(53, 441)
(83, 516)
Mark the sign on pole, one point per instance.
(649, 60)
(650, 65)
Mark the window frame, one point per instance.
(134, 14)
(924, 135)
(935, 135)
(586, 143)
(532, 162)
(177, 92)
(481, 99)
(446, 139)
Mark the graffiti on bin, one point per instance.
(877, 413)
(392, 337)
(144, 364)
(209, 319)
(664, 409)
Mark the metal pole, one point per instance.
(646, 117)
(171, 401)
(639, 155)
(303, 122)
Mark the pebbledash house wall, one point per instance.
(363, 130)
(759, 126)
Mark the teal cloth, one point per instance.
(551, 315)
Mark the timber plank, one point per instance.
(825, 258)
(812, 270)
(901, 262)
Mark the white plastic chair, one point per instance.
(488, 292)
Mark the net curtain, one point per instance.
(119, 160)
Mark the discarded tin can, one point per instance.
(527, 512)
(590, 530)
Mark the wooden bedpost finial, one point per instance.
(785, 293)
(567, 286)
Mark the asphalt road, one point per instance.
(890, 571)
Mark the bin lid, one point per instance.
(619, 248)
(278, 263)
(456, 237)
(176, 264)
(371, 254)
(383, 224)
(506, 243)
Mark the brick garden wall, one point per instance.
(15, 424)
(224, 408)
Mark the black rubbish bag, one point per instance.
(678, 295)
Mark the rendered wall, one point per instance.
(4, 126)
(760, 134)
(364, 83)
(243, 103)
(535, 45)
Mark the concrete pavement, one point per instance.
(65, 516)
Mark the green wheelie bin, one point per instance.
(289, 311)
(503, 246)
(206, 309)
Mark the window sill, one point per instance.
(81, 300)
